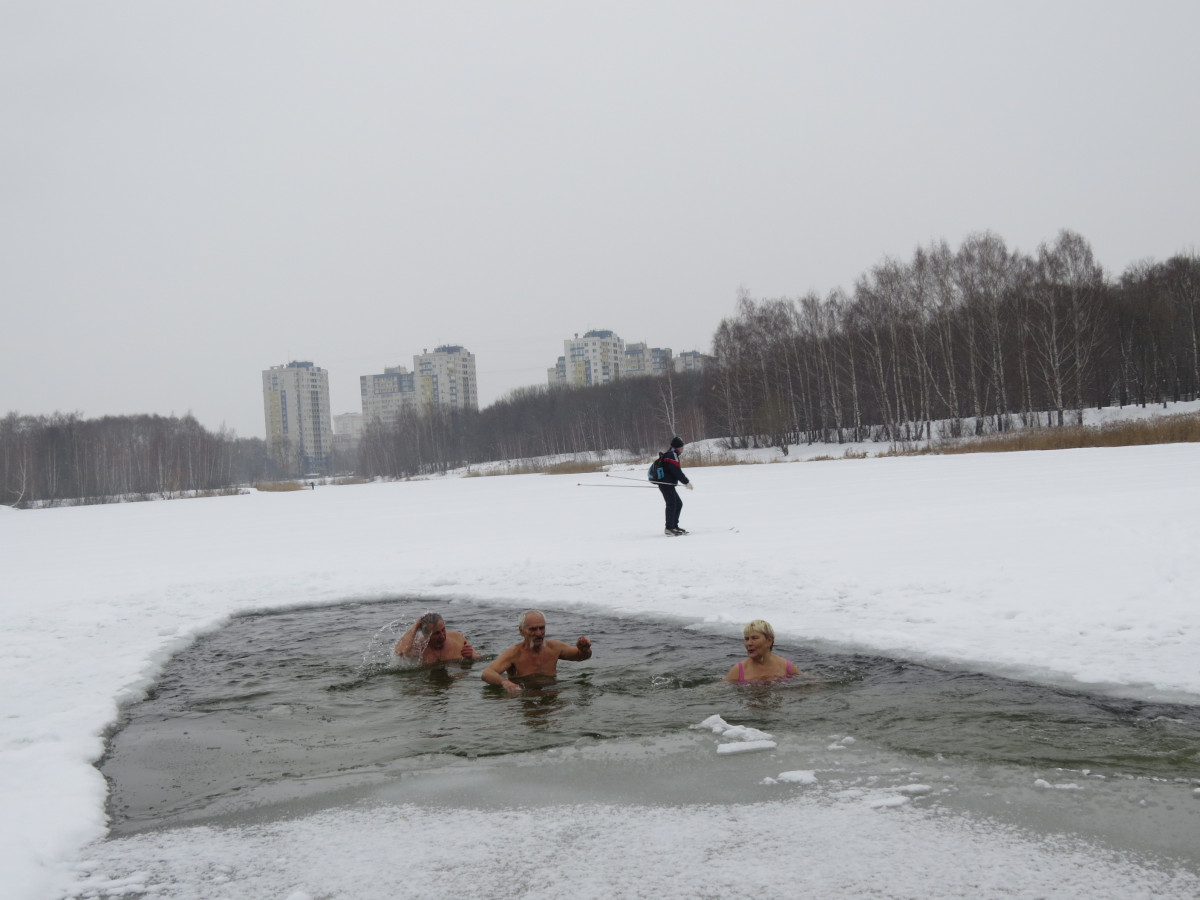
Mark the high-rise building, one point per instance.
(595, 358)
(691, 361)
(385, 396)
(296, 410)
(643, 360)
(348, 425)
(446, 378)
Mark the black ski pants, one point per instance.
(674, 504)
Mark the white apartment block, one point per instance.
(443, 379)
(347, 431)
(349, 425)
(643, 360)
(296, 410)
(446, 378)
(595, 358)
(386, 396)
(691, 361)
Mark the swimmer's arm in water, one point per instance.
(496, 673)
(581, 651)
(733, 673)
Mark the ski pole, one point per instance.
(635, 486)
(629, 478)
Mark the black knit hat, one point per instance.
(677, 442)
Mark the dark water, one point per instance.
(281, 704)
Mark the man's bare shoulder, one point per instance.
(508, 654)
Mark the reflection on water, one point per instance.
(311, 696)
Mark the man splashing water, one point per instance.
(429, 641)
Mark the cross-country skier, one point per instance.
(672, 474)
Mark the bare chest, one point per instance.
(530, 663)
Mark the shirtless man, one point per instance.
(534, 656)
(429, 640)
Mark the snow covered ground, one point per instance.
(1070, 567)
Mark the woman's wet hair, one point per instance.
(762, 627)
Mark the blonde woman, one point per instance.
(762, 664)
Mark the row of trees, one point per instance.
(46, 459)
(946, 344)
(979, 338)
(633, 414)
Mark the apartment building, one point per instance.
(348, 425)
(600, 357)
(595, 358)
(445, 378)
(386, 396)
(296, 411)
(691, 361)
(643, 360)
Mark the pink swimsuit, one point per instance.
(742, 672)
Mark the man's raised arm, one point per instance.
(581, 651)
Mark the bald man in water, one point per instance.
(535, 658)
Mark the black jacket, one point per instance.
(672, 469)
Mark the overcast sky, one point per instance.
(193, 192)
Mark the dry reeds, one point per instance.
(574, 467)
(849, 453)
(703, 458)
(221, 492)
(527, 467)
(1176, 429)
(276, 486)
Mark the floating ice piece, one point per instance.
(733, 732)
(1047, 786)
(886, 802)
(745, 747)
(745, 733)
(913, 789)
(799, 776)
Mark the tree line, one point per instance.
(632, 414)
(49, 459)
(952, 342)
(948, 343)
(959, 342)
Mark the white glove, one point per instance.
(688, 485)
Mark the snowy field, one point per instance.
(1068, 567)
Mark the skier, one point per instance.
(671, 475)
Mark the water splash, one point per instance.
(380, 652)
